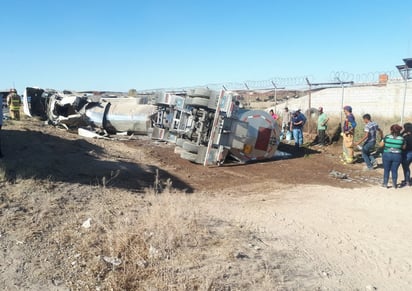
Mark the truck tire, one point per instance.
(199, 92)
(188, 156)
(199, 102)
(190, 147)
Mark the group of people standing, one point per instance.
(396, 147)
(293, 122)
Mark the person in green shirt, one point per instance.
(322, 126)
(392, 144)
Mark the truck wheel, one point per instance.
(199, 92)
(188, 156)
(190, 147)
(199, 101)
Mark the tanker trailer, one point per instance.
(217, 129)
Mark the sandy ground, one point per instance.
(289, 224)
(334, 238)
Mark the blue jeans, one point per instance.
(406, 162)
(366, 153)
(298, 136)
(391, 163)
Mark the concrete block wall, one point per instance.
(383, 100)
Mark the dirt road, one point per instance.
(346, 239)
(277, 225)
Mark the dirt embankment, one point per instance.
(82, 214)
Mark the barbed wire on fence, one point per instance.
(300, 82)
(297, 82)
(370, 77)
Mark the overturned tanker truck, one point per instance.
(106, 113)
(208, 127)
(211, 127)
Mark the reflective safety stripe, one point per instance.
(15, 102)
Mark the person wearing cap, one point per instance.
(14, 103)
(369, 141)
(392, 144)
(322, 126)
(297, 123)
(348, 131)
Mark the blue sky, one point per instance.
(117, 45)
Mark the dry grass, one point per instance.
(334, 124)
(157, 242)
(150, 243)
(153, 241)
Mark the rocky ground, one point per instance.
(84, 214)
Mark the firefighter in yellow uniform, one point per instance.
(14, 103)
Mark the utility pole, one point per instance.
(310, 103)
(404, 71)
(341, 100)
(276, 88)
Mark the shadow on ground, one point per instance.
(32, 154)
(284, 152)
(294, 153)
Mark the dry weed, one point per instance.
(150, 242)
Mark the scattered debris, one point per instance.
(241, 255)
(112, 260)
(142, 264)
(90, 134)
(57, 281)
(87, 223)
(325, 274)
(153, 252)
(338, 175)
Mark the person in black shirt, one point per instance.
(407, 154)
